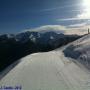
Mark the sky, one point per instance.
(18, 15)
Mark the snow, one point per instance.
(80, 49)
(50, 71)
(51, 37)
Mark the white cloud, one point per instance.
(65, 6)
(78, 24)
(50, 27)
(84, 15)
(67, 19)
(62, 29)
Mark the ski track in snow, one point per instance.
(48, 71)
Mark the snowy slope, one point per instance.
(50, 71)
(79, 50)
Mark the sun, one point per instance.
(86, 4)
(86, 9)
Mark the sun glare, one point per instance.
(86, 9)
(86, 4)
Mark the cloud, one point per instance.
(82, 16)
(61, 7)
(46, 28)
(51, 27)
(85, 15)
(68, 19)
(62, 29)
(78, 25)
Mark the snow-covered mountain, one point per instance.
(60, 69)
(38, 36)
(13, 47)
(33, 35)
(27, 35)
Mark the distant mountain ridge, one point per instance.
(13, 47)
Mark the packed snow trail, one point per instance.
(52, 70)
(48, 71)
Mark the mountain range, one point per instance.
(65, 68)
(16, 46)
